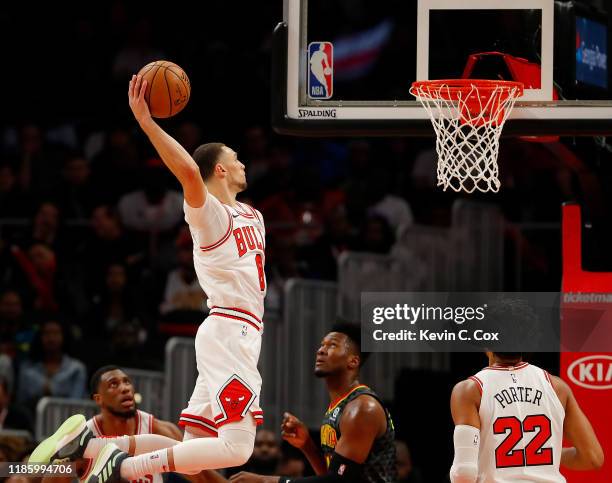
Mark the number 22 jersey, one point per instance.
(521, 425)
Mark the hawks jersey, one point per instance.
(521, 425)
(379, 467)
(144, 425)
(228, 254)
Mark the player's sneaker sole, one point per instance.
(107, 467)
(67, 443)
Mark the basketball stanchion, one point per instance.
(468, 116)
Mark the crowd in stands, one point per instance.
(95, 257)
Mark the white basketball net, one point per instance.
(468, 122)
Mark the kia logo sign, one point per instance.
(592, 372)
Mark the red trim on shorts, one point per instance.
(151, 418)
(239, 310)
(200, 422)
(224, 238)
(478, 383)
(220, 314)
(257, 415)
(522, 365)
(182, 424)
(199, 418)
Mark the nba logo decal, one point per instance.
(320, 70)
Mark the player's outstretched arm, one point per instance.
(296, 434)
(171, 152)
(465, 401)
(587, 453)
(363, 420)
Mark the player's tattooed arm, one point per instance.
(174, 156)
(296, 434)
(363, 420)
(587, 453)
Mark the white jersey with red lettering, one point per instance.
(521, 425)
(144, 425)
(228, 254)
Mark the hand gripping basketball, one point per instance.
(136, 92)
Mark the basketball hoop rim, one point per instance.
(448, 89)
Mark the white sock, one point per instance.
(145, 464)
(144, 444)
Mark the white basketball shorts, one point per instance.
(227, 347)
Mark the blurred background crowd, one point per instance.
(95, 257)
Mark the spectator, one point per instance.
(154, 208)
(76, 194)
(117, 167)
(127, 348)
(114, 305)
(394, 209)
(108, 243)
(50, 371)
(183, 291)
(46, 225)
(376, 235)
(15, 332)
(266, 455)
(7, 372)
(406, 472)
(322, 257)
(38, 169)
(13, 201)
(291, 464)
(11, 416)
(39, 266)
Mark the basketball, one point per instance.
(168, 88)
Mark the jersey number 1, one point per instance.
(260, 272)
(533, 454)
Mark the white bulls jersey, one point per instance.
(521, 425)
(228, 254)
(144, 425)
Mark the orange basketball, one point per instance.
(168, 88)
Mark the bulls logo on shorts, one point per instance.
(235, 399)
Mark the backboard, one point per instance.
(344, 67)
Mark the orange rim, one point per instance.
(449, 89)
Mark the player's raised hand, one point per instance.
(294, 431)
(136, 93)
